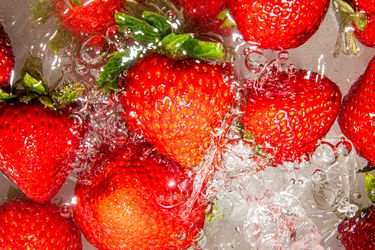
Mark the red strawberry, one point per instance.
(177, 105)
(36, 147)
(87, 17)
(367, 35)
(358, 233)
(357, 118)
(203, 13)
(28, 225)
(6, 58)
(278, 24)
(287, 116)
(137, 204)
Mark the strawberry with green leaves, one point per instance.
(38, 143)
(84, 18)
(278, 24)
(134, 203)
(28, 225)
(6, 59)
(172, 97)
(288, 114)
(359, 14)
(356, 117)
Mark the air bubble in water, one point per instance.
(94, 50)
(255, 61)
(66, 211)
(283, 56)
(324, 155)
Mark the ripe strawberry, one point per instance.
(367, 35)
(177, 105)
(358, 233)
(6, 58)
(28, 225)
(287, 115)
(356, 117)
(87, 17)
(36, 147)
(203, 14)
(278, 24)
(137, 204)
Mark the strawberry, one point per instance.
(6, 58)
(358, 232)
(177, 105)
(203, 14)
(28, 225)
(136, 204)
(278, 24)
(36, 148)
(366, 34)
(356, 118)
(288, 114)
(84, 18)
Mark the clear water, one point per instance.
(290, 207)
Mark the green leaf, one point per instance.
(66, 95)
(28, 97)
(34, 67)
(46, 101)
(370, 186)
(158, 21)
(228, 21)
(141, 30)
(118, 64)
(42, 10)
(60, 40)
(76, 2)
(203, 50)
(33, 85)
(172, 43)
(6, 96)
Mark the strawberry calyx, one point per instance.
(32, 85)
(228, 21)
(154, 32)
(350, 19)
(370, 186)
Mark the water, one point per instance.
(257, 207)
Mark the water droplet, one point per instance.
(283, 56)
(255, 61)
(66, 211)
(343, 148)
(171, 15)
(325, 154)
(318, 176)
(292, 181)
(94, 49)
(357, 195)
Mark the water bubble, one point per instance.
(357, 195)
(255, 61)
(94, 50)
(344, 148)
(283, 56)
(171, 15)
(324, 155)
(66, 210)
(319, 176)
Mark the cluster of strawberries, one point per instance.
(133, 197)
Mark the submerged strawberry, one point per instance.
(177, 105)
(87, 17)
(137, 204)
(278, 24)
(28, 225)
(37, 146)
(356, 117)
(358, 233)
(203, 13)
(287, 115)
(6, 58)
